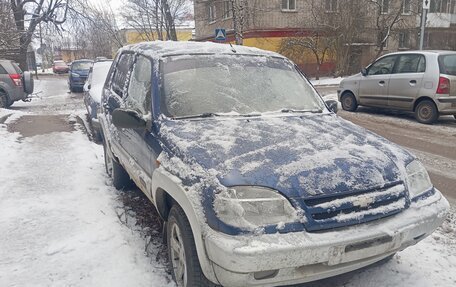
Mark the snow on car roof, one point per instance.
(159, 49)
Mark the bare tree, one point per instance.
(29, 13)
(9, 38)
(155, 19)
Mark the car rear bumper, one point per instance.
(446, 105)
(302, 257)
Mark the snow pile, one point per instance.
(327, 81)
(59, 225)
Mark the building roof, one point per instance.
(159, 49)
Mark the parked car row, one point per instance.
(422, 82)
(258, 181)
(15, 85)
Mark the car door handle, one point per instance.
(412, 82)
(381, 83)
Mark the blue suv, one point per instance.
(258, 180)
(78, 74)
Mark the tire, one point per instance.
(454, 117)
(182, 250)
(348, 101)
(28, 83)
(4, 101)
(426, 112)
(120, 178)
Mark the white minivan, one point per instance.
(423, 82)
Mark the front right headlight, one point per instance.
(75, 75)
(418, 180)
(252, 207)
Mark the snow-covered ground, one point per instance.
(326, 81)
(61, 226)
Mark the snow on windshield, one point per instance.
(81, 66)
(231, 83)
(99, 73)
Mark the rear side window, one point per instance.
(410, 63)
(120, 77)
(16, 68)
(2, 70)
(447, 64)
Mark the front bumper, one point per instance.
(302, 257)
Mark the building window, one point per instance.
(289, 5)
(384, 6)
(406, 7)
(227, 9)
(442, 6)
(211, 13)
(404, 40)
(331, 5)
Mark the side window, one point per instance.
(382, 66)
(139, 90)
(120, 77)
(411, 64)
(2, 70)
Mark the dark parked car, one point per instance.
(258, 181)
(92, 93)
(15, 85)
(79, 71)
(60, 67)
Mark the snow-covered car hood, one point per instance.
(301, 156)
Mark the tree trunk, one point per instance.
(172, 35)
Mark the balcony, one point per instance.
(440, 20)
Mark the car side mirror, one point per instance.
(128, 119)
(332, 105)
(364, 72)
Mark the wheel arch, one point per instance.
(346, 91)
(423, 98)
(166, 191)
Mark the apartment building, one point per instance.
(363, 29)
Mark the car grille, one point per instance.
(354, 208)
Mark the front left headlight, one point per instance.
(252, 207)
(418, 180)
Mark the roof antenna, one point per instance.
(232, 48)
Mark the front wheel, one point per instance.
(426, 112)
(183, 258)
(349, 102)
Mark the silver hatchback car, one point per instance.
(423, 82)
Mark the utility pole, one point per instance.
(424, 11)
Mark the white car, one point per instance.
(92, 93)
(423, 82)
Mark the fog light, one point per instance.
(265, 274)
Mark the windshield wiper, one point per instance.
(203, 115)
(314, 111)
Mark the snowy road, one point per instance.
(61, 221)
(434, 145)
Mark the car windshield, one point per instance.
(237, 84)
(448, 64)
(81, 66)
(60, 64)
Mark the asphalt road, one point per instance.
(434, 145)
